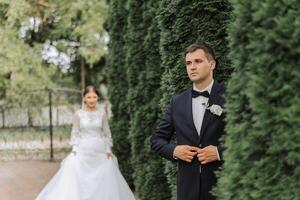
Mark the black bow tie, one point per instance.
(197, 94)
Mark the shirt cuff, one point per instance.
(218, 155)
(174, 157)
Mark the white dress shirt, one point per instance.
(199, 105)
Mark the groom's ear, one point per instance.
(212, 65)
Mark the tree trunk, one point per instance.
(82, 74)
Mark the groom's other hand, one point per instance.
(207, 154)
(185, 152)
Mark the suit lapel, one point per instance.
(208, 116)
(190, 116)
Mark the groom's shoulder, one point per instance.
(220, 87)
(182, 94)
(220, 92)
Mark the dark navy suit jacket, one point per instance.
(178, 119)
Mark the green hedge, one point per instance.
(263, 113)
(117, 86)
(143, 72)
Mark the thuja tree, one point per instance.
(150, 182)
(117, 85)
(143, 75)
(263, 130)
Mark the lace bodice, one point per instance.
(91, 124)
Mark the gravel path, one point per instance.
(23, 180)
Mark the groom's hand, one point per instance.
(207, 154)
(185, 152)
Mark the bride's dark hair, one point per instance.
(91, 88)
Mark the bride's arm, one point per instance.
(75, 133)
(106, 129)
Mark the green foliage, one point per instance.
(263, 113)
(117, 86)
(144, 72)
(74, 26)
(135, 62)
(187, 22)
(183, 23)
(30, 135)
(134, 80)
(84, 23)
(135, 52)
(142, 64)
(15, 11)
(20, 72)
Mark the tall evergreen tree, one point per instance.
(117, 85)
(135, 61)
(21, 65)
(183, 23)
(263, 130)
(150, 182)
(143, 72)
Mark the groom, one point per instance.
(196, 117)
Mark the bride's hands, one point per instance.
(109, 154)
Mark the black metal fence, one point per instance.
(24, 129)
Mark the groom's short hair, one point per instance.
(208, 50)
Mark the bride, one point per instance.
(90, 172)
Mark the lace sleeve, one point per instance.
(75, 133)
(106, 130)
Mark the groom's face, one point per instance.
(198, 67)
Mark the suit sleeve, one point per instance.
(221, 147)
(160, 140)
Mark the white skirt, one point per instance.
(88, 175)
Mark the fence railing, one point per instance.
(37, 117)
(50, 112)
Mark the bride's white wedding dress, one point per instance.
(87, 173)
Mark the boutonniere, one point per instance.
(215, 109)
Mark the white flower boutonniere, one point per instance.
(215, 109)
